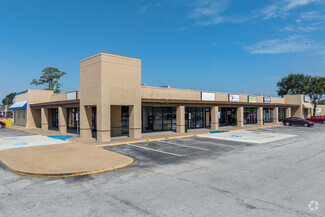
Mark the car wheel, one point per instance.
(306, 125)
(287, 124)
(1, 126)
(323, 122)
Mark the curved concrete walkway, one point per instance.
(62, 160)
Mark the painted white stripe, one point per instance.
(150, 149)
(186, 146)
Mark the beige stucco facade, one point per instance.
(320, 110)
(111, 97)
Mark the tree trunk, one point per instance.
(315, 106)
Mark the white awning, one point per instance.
(19, 105)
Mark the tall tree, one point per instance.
(8, 100)
(50, 78)
(316, 90)
(313, 86)
(293, 84)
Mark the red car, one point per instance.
(1, 116)
(317, 119)
(297, 121)
(2, 124)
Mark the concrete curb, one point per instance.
(68, 174)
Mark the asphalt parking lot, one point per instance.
(187, 177)
(7, 132)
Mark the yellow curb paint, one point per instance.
(121, 143)
(67, 175)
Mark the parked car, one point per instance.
(317, 119)
(1, 116)
(297, 121)
(2, 124)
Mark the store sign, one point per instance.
(72, 95)
(319, 111)
(208, 96)
(267, 99)
(233, 98)
(252, 99)
(306, 98)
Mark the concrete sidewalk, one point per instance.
(62, 160)
(145, 136)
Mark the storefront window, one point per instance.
(268, 115)
(197, 117)
(250, 115)
(228, 116)
(158, 118)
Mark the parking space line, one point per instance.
(186, 146)
(150, 149)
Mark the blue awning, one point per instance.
(19, 105)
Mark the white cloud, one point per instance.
(282, 8)
(301, 28)
(208, 12)
(311, 16)
(292, 4)
(143, 9)
(275, 46)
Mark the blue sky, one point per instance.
(223, 45)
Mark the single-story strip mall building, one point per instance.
(112, 101)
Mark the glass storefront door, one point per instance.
(55, 118)
(268, 115)
(158, 118)
(250, 115)
(228, 116)
(197, 117)
(305, 113)
(281, 114)
(125, 120)
(73, 122)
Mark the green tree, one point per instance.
(50, 78)
(8, 100)
(293, 84)
(321, 102)
(316, 90)
(313, 86)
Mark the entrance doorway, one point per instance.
(281, 114)
(125, 120)
(94, 122)
(55, 119)
(305, 113)
(73, 120)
